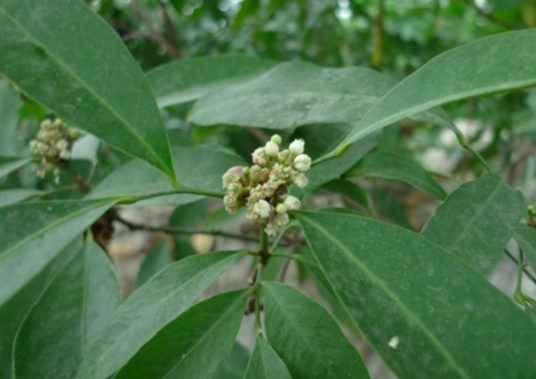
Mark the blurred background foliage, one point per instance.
(395, 37)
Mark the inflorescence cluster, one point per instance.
(263, 187)
(53, 143)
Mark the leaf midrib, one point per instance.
(85, 85)
(392, 295)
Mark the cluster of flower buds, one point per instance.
(53, 143)
(263, 187)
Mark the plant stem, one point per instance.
(262, 260)
(527, 272)
(520, 271)
(170, 230)
(466, 146)
(174, 191)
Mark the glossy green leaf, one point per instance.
(298, 93)
(190, 79)
(10, 164)
(13, 312)
(334, 168)
(497, 63)
(33, 234)
(194, 344)
(99, 88)
(306, 337)
(525, 237)
(197, 167)
(235, 365)
(350, 190)
(59, 329)
(386, 165)
(424, 311)
(12, 196)
(165, 296)
(158, 258)
(9, 117)
(476, 221)
(265, 363)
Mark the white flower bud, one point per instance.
(299, 180)
(282, 219)
(65, 154)
(302, 163)
(262, 208)
(259, 156)
(292, 203)
(297, 146)
(271, 229)
(62, 145)
(272, 149)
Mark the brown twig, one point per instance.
(169, 230)
(491, 17)
(154, 33)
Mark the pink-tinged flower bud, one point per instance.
(236, 170)
(302, 163)
(297, 146)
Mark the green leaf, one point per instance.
(9, 117)
(13, 312)
(194, 344)
(265, 363)
(189, 216)
(75, 64)
(12, 196)
(386, 165)
(298, 93)
(525, 237)
(10, 164)
(306, 337)
(235, 365)
(493, 64)
(422, 309)
(59, 329)
(165, 296)
(476, 221)
(197, 167)
(156, 260)
(190, 79)
(350, 190)
(334, 168)
(33, 234)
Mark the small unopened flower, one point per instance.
(302, 163)
(297, 147)
(62, 145)
(276, 138)
(281, 208)
(299, 180)
(262, 208)
(292, 203)
(272, 149)
(65, 154)
(259, 156)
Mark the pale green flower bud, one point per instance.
(276, 138)
(281, 208)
